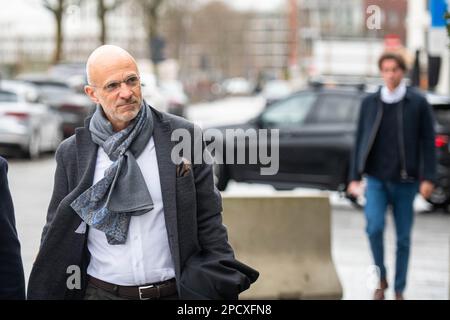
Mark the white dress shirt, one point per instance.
(393, 96)
(145, 257)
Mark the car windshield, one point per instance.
(6, 96)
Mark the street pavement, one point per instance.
(31, 184)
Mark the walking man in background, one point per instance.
(395, 151)
(12, 282)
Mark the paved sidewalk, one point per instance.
(428, 275)
(32, 182)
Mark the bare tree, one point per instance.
(102, 10)
(219, 32)
(150, 11)
(57, 8)
(176, 22)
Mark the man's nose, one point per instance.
(125, 92)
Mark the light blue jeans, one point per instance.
(400, 195)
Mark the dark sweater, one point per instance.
(383, 161)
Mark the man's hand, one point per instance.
(355, 188)
(426, 189)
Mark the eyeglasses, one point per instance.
(131, 82)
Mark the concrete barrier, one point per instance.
(287, 238)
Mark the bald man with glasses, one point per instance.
(125, 222)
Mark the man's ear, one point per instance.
(90, 92)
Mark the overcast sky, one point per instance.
(18, 6)
(29, 15)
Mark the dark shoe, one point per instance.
(399, 296)
(379, 293)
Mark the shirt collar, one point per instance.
(393, 96)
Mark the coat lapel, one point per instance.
(86, 160)
(167, 174)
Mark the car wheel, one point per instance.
(220, 176)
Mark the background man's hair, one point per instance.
(393, 56)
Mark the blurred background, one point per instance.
(204, 50)
(227, 47)
(234, 64)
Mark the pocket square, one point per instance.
(81, 228)
(184, 167)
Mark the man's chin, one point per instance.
(128, 115)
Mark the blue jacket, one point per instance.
(12, 282)
(416, 136)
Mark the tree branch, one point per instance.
(114, 5)
(48, 6)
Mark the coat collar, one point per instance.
(86, 153)
(393, 96)
(408, 95)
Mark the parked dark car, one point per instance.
(316, 137)
(73, 106)
(441, 106)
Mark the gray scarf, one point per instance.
(109, 204)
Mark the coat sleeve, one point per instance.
(213, 272)
(60, 190)
(354, 174)
(12, 282)
(427, 146)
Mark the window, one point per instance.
(290, 112)
(334, 108)
(6, 96)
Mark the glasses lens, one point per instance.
(112, 86)
(132, 81)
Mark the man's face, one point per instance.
(392, 73)
(117, 88)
